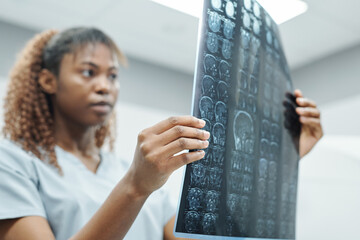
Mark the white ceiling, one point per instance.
(163, 36)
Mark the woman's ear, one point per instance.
(47, 81)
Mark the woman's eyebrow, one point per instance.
(91, 64)
(97, 67)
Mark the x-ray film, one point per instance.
(245, 187)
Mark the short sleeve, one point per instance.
(19, 195)
(169, 203)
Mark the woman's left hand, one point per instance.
(309, 117)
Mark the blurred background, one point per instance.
(322, 46)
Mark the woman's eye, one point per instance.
(88, 73)
(113, 76)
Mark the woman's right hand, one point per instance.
(154, 159)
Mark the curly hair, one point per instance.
(28, 111)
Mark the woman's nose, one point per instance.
(102, 85)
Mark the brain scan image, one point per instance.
(216, 4)
(221, 112)
(253, 85)
(232, 202)
(212, 42)
(272, 170)
(270, 227)
(245, 186)
(191, 221)
(218, 134)
(247, 20)
(236, 183)
(212, 201)
(218, 155)
(215, 177)
(256, 26)
(247, 4)
(263, 168)
(244, 58)
(206, 106)
(245, 39)
(242, 80)
(251, 104)
(222, 91)
(266, 109)
(261, 188)
(208, 87)
(195, 197)
(264, 147)
(210, 65)
(271, 189)
(226, 48)
(198, 177)
(256, 10)
(228, 29)
(214, 21)
(260, 227)
(265, 129)
(268, 21)
(255, 45)
(224, 70)
(229, 9)
(209, 223)
(243, 130)
(254, 65)
(269, 38)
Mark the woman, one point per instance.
(55, 180)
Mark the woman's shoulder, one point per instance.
(14, 158)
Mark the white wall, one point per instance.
(329, 193)
(332, 78)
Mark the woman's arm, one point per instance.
(153, 163)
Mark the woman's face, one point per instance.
(87, 86)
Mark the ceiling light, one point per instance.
(283, 10)
(280, 10)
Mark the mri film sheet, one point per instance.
(246, 185)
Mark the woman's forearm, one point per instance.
(116, 215)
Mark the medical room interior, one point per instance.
(322, 47)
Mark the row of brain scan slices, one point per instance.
(204, 194)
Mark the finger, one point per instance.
(183, 131)
(289, 106)
(290, 97)
(164, 125)
(313, 122)
(298, 93)
(291, 116)
(304, 102)
(308, 112)
(183, 144)
(180, 160)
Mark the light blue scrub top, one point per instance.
(29, 187)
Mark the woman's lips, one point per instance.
(101, 108)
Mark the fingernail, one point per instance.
(201, 152)
(202, 122)
(207, 134)
(206, 143)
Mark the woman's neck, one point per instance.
(75, 138)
